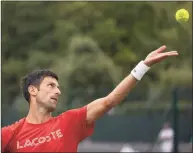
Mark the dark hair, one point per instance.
(35, 78)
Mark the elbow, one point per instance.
(109, 102)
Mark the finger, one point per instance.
(162, 56)
(162, 48)
(172, 53)
(167, 54)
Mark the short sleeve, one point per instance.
(6, 137)
(82, 129)
(166, 134)
(86, 130)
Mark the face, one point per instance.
(47, 94)
(166, 125)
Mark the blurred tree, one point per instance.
(85, 73)
(92, 45)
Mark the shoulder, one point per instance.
(74, 113)
(11, 128)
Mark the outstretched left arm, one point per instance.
(100, 106)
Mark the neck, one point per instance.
(38, 115)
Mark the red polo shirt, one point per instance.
(60, 134)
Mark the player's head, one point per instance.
(41, 87)
(166, 124)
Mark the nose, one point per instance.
(58, 92)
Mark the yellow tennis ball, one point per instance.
(182, 15)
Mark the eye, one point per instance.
(50, 85)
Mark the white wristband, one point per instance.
(139, 71)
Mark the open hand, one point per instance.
(158, 55)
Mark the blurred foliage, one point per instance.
(92, 45)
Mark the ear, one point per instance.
(32, 90)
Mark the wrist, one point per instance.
(139, 71)
(147, 63)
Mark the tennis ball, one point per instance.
(182, 15)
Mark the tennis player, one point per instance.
(40, 132)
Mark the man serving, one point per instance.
(40, 132)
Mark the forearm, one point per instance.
(121, 91)
(98, 107)
(165, 139)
